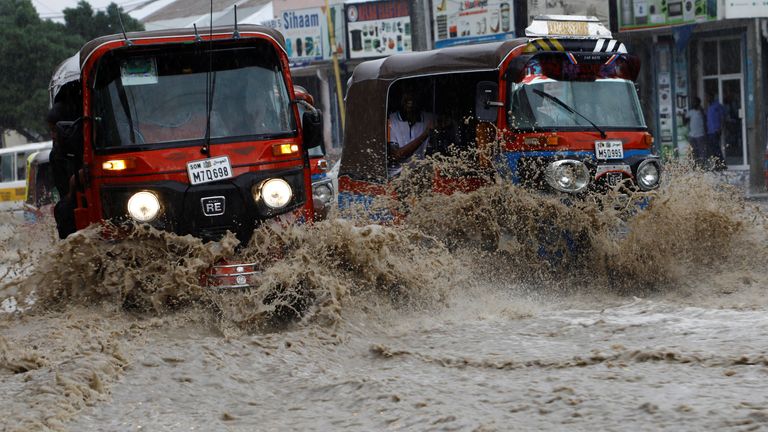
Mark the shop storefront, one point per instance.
(378, 28)
(459, 23)
(309, 48)
(691, 50)
(596, 8)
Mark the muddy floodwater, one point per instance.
(491, 311)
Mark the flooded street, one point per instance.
(384, 215)
(413, 327)
(639, 365)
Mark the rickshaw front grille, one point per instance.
(214, 233)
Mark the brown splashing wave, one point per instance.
(308, 271)
(695, 225)
(694, 228)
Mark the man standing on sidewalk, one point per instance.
(715, 116)
(697, 134)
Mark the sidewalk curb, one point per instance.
(757, 196)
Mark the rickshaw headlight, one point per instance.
(275, 193)
(144, 206)
(648, 175)
(568, 176)
(322, 192)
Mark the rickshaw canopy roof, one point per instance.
(69, 70)
(91, 46)
(488, 56)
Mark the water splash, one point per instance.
(501, 235)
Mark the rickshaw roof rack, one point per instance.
(69, 70)
(228, 30)
(567, 26)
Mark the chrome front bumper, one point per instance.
(232, 276)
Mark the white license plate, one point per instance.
(209, 170)
(605, 150)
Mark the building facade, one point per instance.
(705, 49)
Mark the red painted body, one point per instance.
(502, 140)
(317, 163)
(170, 164)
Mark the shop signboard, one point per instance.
(595, 8)
(681, 100)
(746, 8)
(378, 29)
(304, 30)
(306, 33)
(664, 95)
(639, 14)
(472, 21)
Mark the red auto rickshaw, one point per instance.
(191, 132)
(322, 186)
(557, 111)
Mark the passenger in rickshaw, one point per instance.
(408, 131)
(415, 131)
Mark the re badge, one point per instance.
(213, 206)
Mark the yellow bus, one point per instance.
(13, 173)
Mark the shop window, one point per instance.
(6, 167)
(730, 56)
(709, 60)
(723, 81)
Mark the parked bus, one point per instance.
(13, 173)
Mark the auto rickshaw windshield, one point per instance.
(159, 96)
(538, 103)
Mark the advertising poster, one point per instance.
(638, 14)
(595, 8)
(304, 31)
(306, 34)
(462, 22)
(337, 21)
(746, 9)
(378, 29)
(682, 102)
(664, 96)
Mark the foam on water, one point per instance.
(498, 253)
(694, 229)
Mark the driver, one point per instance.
(407, 133)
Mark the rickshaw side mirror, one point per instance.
(486, 105)
(69, 137)
(312, 122)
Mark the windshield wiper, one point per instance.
(569, 109)
(126, 109)
(209, 92)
